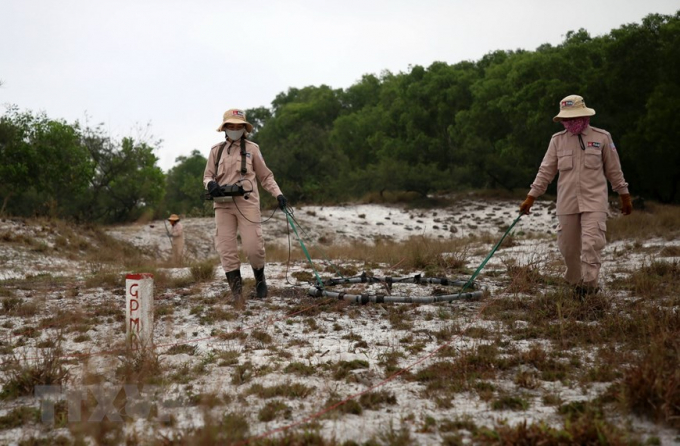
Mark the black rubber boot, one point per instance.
(260, 283)
(582, 291)
(235, 283)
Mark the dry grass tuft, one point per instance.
(418, 252)
(100, 433)
(18, 417)
(106, 278)
(15, 306)
(304, 438)
(400, 317)
(341, 270)
(524, 278)
(651, 385)
(343, 369)
(142, 365)
(300, 369)
(378, 399)
(285, 390)
(395, 437)
(670, 251)
(655, 279)
(182, 349)
(443, 379)
(586, 429)
(510, 402)
(414, 199)
(66, 321)
(273, 410)
(203, 271)
(657, 220)
(232, 428)
(21, 374)
(550, 368)
(347, 407)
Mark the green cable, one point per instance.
(304, 249)
(493, 251)
(323, 253)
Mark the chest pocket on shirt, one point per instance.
(565, 160)
(249, 162)
(593, 158)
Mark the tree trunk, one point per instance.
(4, 203)
(493, 177)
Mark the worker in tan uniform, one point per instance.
(176, 235)
(585, 158)
(231, 174)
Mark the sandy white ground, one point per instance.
(360, 222)
(327, 342)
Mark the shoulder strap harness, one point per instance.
(243, 156)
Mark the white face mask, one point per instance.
(235, 135)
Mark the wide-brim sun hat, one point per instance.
(573, 106)
(235, 116)
(173, 217)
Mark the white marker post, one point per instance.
(139, 309)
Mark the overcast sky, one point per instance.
(178, 65)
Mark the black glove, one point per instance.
(214, 189)
(282, 202)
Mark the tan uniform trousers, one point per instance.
(177, 250)
(177, 234)
(227, 221)
(581, 238)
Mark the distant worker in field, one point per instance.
(177, 238)
(585, 158)
(231, 174)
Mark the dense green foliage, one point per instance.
(482, 124)
(51, 168)
(185, 186)
(44, 167)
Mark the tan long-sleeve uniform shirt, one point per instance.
(582, 183)
(229, 171)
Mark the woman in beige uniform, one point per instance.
(234, 167)
(585, 158)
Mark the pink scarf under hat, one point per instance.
(577, 125)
